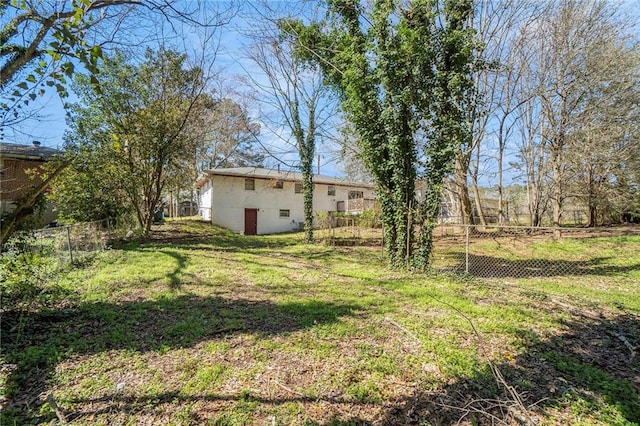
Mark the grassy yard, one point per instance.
(201, 326)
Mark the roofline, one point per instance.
(27, 152)
(288, 176)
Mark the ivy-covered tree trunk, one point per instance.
(385, 69)
(306, 164)
(428, 214)
(452, 84)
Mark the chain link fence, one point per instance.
(524, 252)
(348, 230)
(494, 251)
(68, 244)
(479, 251)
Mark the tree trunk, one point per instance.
(462, 191)
(557, 187)
(25, 207)
(476, 190)
(500, 175)
(478, 203)
(307, 191)
(593, 216)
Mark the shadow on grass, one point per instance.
(189, 232)
(128, 403)
(174, 276)
(590, 371)
(497, 267)
(50, 337)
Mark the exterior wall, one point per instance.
(229, 198)
(329, 203)
(205, 194)
(18, 176)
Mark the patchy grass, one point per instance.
(202, 326)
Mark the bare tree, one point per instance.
(492, 113)
(533, 163)
(43, 42)
(601, 148)
(293, 98)
(570, 63)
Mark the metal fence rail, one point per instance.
(523, 252)
(68, 244)
(497, 251)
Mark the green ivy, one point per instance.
(401, 74)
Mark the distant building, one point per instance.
(253, 201)
(21, 170)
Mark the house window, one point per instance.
(277, 184)
(354, 195)
(284, 213)
(298, 188)
(250, 184)
(331, 190)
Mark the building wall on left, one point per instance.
(18, 176)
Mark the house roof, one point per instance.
(27, 152)
(260, 173)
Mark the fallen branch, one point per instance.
(403, 328)
(629, 346)
(289, 389)
(59, 413)
(520, 409)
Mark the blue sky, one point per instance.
(231, 60)
(48, 124)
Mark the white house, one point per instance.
(251, 200)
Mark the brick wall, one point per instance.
(17, 177)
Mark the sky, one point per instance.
(229, 43)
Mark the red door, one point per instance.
(250, 221)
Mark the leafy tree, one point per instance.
(42, 43)
(87, 191)
(141, 127)
(603, 149)
(400, 72)
(227, 138)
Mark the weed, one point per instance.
(365, 392)
(229, 329)
(204, 379)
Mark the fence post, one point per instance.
(109, 231)
(333, 233)
(382, 242)
(466, 249)
(408, 235)
(69, 243)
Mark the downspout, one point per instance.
(211, 200)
